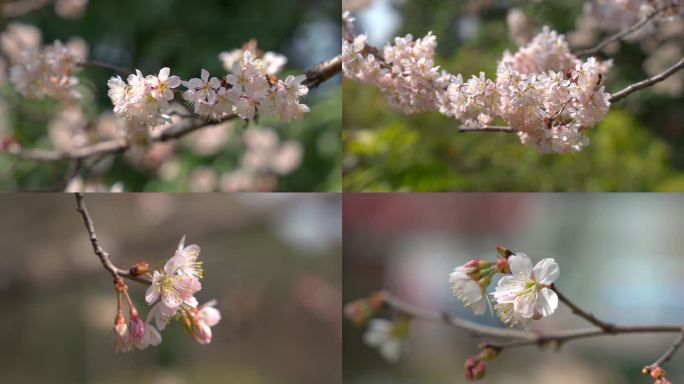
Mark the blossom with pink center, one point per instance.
(202, 90)
(178, 282)
(162, 85)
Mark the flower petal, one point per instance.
(174, 81)
(547, 302)
(164, 73)
(520, 263)
(546, 271)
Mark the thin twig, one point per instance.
(97, 248)
(486, 128)
(620, 35)
(515, 337)
(668, 354)
(646, 83)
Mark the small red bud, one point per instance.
(475, 368)
(502, 266)
(472, 263)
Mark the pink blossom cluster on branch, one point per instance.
(546, 94)
(250, 89)
(172, 296)
(46, 72)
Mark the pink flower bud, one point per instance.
(502, 266)
(137, 327)
(475, 368)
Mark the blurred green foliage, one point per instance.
(188, 36)
(638, 147)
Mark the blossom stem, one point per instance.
(647, 82)
(97, 248)
(620, 35)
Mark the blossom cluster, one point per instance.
(46, 72)
(143, 99)
(249, 89)
(405, 72)
(546, 94)
(171, 294)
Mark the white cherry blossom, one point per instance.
(468, 290)
(525, 294)
(388, 337)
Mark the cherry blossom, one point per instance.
(525, 294)
(143, 99)
(46, 72)
(388, 337)
(466, 289)
(547, 95)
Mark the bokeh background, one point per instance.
(272, 262)
(638, 147)
(620, 258)
(185, 36)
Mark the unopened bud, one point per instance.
(472, 263)
(657, 373)
(475, 368)
(502, 266)
(139, 268)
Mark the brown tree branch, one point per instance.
(486, 128)
(97, 248)
(620, 35)
(314, 77)
(647, 83)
